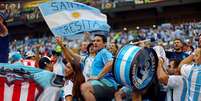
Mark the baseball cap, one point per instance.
(43, 62)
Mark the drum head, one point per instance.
(135, 67)
(143, 69)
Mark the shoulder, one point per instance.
(104, 50)
(175, 77)
(186, 69)
(172, 79)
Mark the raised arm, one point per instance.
(161, 74)
(187, 60)
(67, 55)
(37, 56)
(190, 59)
(87, 37)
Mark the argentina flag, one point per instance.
(71, 18)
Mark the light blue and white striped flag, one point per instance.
(70, 18)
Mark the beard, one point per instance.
(177, 49)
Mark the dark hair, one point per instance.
(176, 62)
(43, 62)
(102, 36)
(78, 78)
(179, 40)
(116, 46)
(89, 45)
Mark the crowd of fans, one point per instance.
(86, 63)
(162, 35)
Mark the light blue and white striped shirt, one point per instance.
(177, 88)
(192, 73)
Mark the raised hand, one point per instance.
(59, 41)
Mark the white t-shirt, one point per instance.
(68, 88)
(176, 88)
(87, 66)
(58, 67)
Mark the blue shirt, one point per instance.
(100, 60)
(4, 48)
(176, 55)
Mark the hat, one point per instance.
(43, 62)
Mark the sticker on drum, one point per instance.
(144, 68)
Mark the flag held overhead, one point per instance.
(70, 18)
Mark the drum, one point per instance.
(135, 67)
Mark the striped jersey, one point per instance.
(192, 73)
(176, 88)
(19, 90)
(23, 83)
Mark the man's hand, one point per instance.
(59, 41)
(161, 74)
(161, 61)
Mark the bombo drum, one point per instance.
(135, 66)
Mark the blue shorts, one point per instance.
(103, 89)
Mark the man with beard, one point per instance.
(178, 53)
